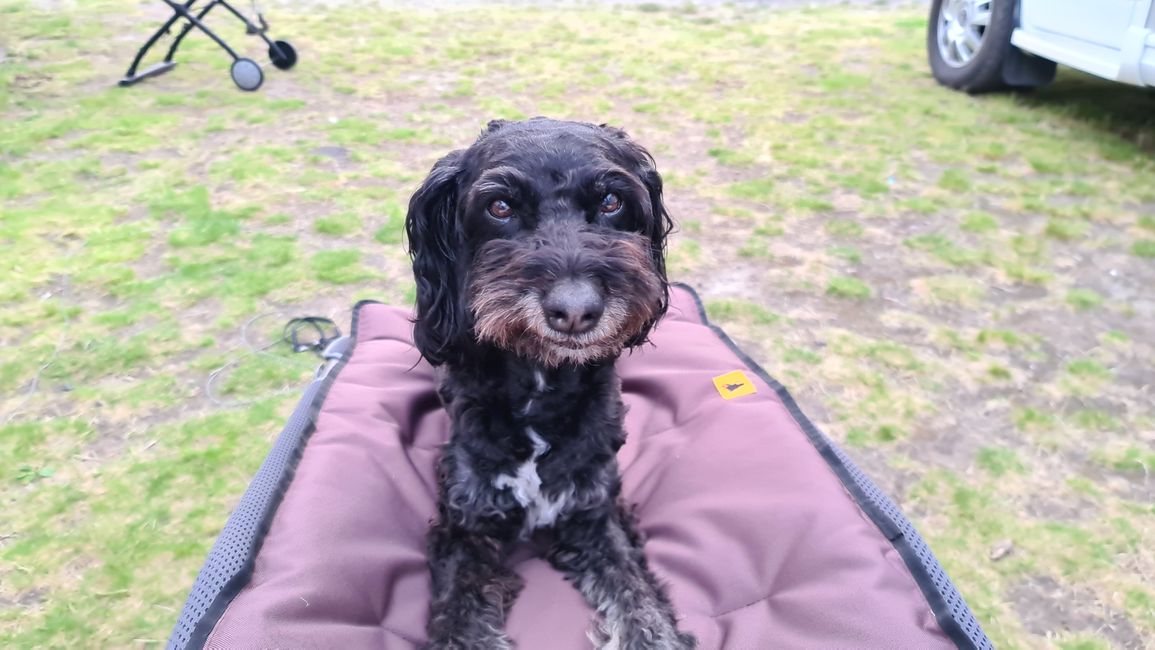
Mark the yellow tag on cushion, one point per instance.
(734, 384)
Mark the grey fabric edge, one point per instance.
(229, 562)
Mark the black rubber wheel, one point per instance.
(282, 55)
(247, 74)
(968, 42)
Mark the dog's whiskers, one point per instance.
(522, 327)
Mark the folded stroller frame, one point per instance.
(245, 72)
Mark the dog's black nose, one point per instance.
(573, 306)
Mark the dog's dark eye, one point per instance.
(611, 205)
(499, 209)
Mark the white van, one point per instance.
(982, 45)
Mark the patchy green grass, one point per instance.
(847, 287)
(1066, 229)
(742, 310)
(761, 189)
(945, 249)
(844, 228)
(340, 224)
(979, 222)
(960, 290)
(952, 284)
(848, 253)
(340, 267)
(1083, 299)
(1144, 248)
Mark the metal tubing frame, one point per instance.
(188, 26)
(249, 26)
(183, 10)
(155, 37)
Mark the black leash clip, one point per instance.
(310, 334)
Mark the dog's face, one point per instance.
(545, 239)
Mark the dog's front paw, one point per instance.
(637, 635)
(471, 643)
(685, 641)
(467, 637)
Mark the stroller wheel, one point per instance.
(282, 55)
(247, 74)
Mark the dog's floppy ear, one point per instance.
(662, 224)
(658, 229)
(435, 246)
(659, 226)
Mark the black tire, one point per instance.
(247, 75)
(282, 55)
(984, 71)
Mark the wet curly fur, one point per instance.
(536, 411)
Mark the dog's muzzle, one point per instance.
(564, 294)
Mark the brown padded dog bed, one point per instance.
(767, 534)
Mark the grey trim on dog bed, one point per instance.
(230, 562)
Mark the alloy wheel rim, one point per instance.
(962, 27)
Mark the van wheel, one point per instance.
(968, 42)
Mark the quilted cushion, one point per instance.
(758, 540)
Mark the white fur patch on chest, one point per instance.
(540, 511)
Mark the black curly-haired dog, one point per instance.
(538, 255)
